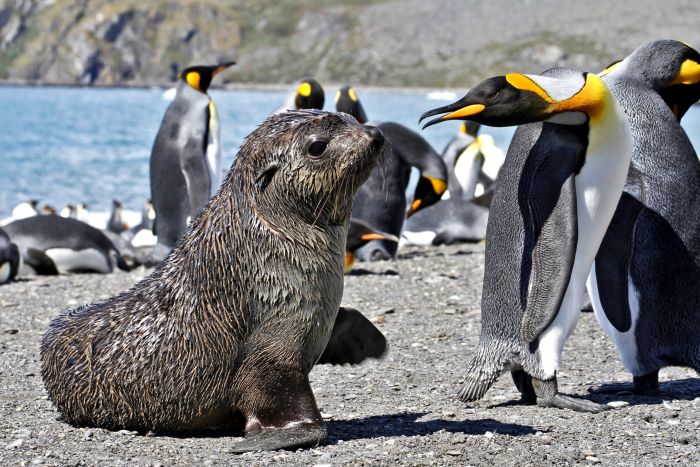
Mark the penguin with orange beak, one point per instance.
(381, 200)
(557, 191)
(186, 160)
(360, 234)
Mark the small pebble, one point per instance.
(15, 444)
(453, 453)
(618, 404)
(593, 459)
(379, 319)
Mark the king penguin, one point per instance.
(473, 162)
(54, 244)
(359, 234)
(556, 193)
(644, 282)
(184, 170)
(9, 258)
(381, 200)
(307, 94)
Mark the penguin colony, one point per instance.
(584, 201)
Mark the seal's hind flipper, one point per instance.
(302, 436)
(40, 262)
(354, 338)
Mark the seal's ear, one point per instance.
(265, 177)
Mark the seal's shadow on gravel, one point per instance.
(406, 424)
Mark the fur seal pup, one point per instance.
(553, 202)
(9, 258)
(53, 244)
(186, 159)
(226, 329)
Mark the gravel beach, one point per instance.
(399, 410)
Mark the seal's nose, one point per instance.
(376, 135)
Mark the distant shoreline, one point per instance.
(227, 87)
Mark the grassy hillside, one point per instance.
(382, 42)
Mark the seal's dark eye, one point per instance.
(317, 148)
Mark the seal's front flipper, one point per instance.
(40, 262)
(548, 395)
(354, 338)
(302, 436)
(645, 385)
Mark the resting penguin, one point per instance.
(449, 221)
(9, 258)
(381, 200)
(226, 329)
(54, 244)
(184, 173)
(554, 199)
(644, 281)
(308, 94)
(25, 209)
(359, 234)
(116, 222)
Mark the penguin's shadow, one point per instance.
(406, 424)
(685, 389)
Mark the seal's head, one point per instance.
(308, 164)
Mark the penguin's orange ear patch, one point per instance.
(194, 79)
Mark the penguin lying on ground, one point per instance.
(381, 200)
(307, 94)
(9, 258)
(184, 173)
(54, 244)
(359, 234)
(644, 282)
(554, 199)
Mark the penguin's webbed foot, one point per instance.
(548, 395)
(302, 436)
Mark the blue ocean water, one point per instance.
(70, 145)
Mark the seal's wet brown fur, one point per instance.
(228, 327)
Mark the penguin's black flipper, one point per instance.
(40, 262)
(612, 263)
(552, 261)
(354, 338)
(547, 199)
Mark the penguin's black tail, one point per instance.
(483, 370)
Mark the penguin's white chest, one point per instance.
(89, 259)
(599, 185)
(214, 154)
(5, 271)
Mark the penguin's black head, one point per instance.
(429, 190)
(346, 100)
(309, 95)
(359, 234)
(200, 76)
(569, 98)
(671, 68)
